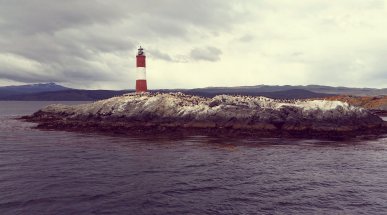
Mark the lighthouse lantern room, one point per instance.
(141, 85)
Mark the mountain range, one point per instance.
(55, 92)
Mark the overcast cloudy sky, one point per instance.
(194, 43)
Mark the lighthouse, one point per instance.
(141, 71)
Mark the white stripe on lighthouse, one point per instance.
(141, 73)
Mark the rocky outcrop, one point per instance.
(376, 104)
(222, 115)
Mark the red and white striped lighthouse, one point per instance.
(141, 71)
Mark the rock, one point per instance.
(377, 103)
(237, 115)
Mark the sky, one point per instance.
(92, 44)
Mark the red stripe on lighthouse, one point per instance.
(141, 61)
(141, 85)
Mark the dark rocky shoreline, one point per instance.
(179, 114)
(115, 128)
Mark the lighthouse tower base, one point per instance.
(141, 86)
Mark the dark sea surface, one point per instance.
(54, 172)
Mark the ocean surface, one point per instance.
(55, 172)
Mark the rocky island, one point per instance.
(169, 113)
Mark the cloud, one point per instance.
(70, 40)
(160, 55)
(207, 54)
(21, 68)
(37, 16)
(93, 43)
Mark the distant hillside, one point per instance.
(66, 95)
(54, 92)
(284, 94)
(11, 91)
(31, 88)
(92, 95)
(311, 88)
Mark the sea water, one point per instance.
(57, 172)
